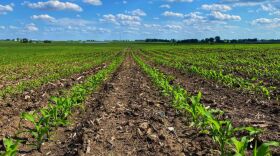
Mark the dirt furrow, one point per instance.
(242, 108)
(129, 117)
(11, 107)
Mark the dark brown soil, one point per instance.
(242, 108)
(11, 107)
(128, 116)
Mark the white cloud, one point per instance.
(103, 30)
(173, 27)
(122, 19)
(31, 27)
(127, 17)
(267, 7)
(138, 12)
(130, 23)
(194, 15)
(93, 2)
(194, 18)
(165, 6)
(62, 22)
(151, 25)
(109, 18)
(243, 2)
(267, 22)
(43, 17)
(53, 5)
(4, 9)
(270, 6)
(124, 2)
(94, 30)
(2, 27)
(272, 9)
(216, 15)
(172, 14)
(128, 20)
(216, 7)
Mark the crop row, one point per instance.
(52, 68)
(259, 63)
(57, 113)
(208, 120)
(227, 79)
(249, 64)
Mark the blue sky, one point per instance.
(139, 19)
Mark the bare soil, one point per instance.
(11, 107)
(128, 116)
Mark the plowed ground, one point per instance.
(128, 116)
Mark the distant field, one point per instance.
(26, 66)
(251, 67)
(140, 98)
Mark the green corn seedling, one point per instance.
(63, 107)
(41, 127)
(52, 113)
(264, 149)
(11, 147)
(195, 108)
(240, 146)
(79, 94)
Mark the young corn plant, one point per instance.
(54, 119)
(180, 100)
(196, 109)
(202, 122)
(221, 132)
(240, 147)
(78, 95)
(11, 147)
(264, 149)
(63, 107)
(40, 130)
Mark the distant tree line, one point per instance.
(157, 40)
(216, 39)
(210, 40)
(26, 40)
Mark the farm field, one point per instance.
(139, 99)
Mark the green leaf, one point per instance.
(28, 117)
(264, 149)
(11, 147)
